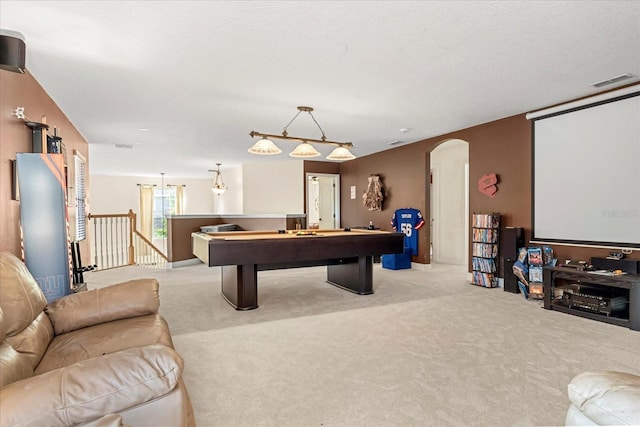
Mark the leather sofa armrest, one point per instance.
(85, 391)
(120, 301)
(607, 397)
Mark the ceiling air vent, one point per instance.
(396, 142)
(126, 146)
(613, 80)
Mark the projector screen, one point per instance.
(586, 174)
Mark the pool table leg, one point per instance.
(355, 277)
(240, 286)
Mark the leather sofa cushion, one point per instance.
(32, 342)
(120, 301)
(21, 298)
(105, 338)
(85, 391)
(13, 367)
(607, 397)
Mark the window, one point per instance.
(81, 197)
(164, 203)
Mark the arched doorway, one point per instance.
(449, 204)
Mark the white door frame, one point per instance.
(436, 208)
(336, 195)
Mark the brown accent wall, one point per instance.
(502, 147)
(22, 90)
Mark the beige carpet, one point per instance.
(427, 349)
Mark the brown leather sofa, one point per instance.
(97, 358)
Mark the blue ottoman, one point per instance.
(397, 261)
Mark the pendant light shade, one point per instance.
(265, 147)
(305, 150)
(341, 153)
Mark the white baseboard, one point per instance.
(184, 263)
(421, 267)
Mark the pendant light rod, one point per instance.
(317, 141)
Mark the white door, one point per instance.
(323, 200)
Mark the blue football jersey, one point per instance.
(408, 221)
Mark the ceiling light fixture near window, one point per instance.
(265, 146)
(218, 183)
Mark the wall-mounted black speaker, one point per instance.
(12, 51)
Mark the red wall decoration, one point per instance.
(487, 184)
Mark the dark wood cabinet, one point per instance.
(593, 295)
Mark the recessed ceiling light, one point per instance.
(404, 130)
(143, 129)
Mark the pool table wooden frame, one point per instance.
(348, 255)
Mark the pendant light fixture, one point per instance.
(218, 183)
(264, 146)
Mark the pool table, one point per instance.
(347, 253)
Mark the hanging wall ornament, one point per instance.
(372, 199)
(487, 184)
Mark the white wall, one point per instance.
(230, 202)
(118, 194)
(257, 188)
(273, 187)
(449, 201)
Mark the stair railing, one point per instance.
(118, 243)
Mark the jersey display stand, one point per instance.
(485, 238)
(407, 221)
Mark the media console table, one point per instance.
(627, 285)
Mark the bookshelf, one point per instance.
(485, 247)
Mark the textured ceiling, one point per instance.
(200, 75)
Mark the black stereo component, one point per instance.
(631, 266)
(595, 303)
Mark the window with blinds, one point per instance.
(81, 198)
